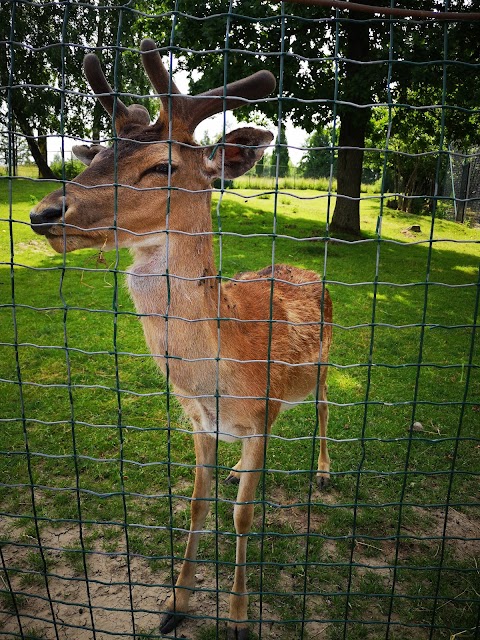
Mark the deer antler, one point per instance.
(235, 94)
(156, 71)
(194, 109)
(134, 114)
(190, 110)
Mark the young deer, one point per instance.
(237, 353)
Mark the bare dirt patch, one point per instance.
(119, 596)
(70, 605)
(462, 532)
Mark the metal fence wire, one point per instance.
(375, 110)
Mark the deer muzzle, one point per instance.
(43, 219)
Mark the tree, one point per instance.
(320, 159)
(42, 72)
(280, 155)
(354, 115)
(440, 109)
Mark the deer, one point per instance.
(237, 351)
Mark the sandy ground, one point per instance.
(71, 606)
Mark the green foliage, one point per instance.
(259, 167)
(320, 160)
(12, 602)
(36, 568)
(67, 170)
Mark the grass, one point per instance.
(11, 602)
(35, 568)
(59, 398)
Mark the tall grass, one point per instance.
(296, 182)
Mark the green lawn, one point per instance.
(86, 419)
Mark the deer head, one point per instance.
(123, 196)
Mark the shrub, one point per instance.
(68, 170)
(227, 184)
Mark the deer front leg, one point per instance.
(323, 473)
(205, 460)
(252, 462)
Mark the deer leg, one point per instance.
(205, 461)
(252, 463)
(323, 473)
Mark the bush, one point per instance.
(392, 203)
(68, 170)
(227, 184)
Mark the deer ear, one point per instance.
(85, 153)
(238, 152)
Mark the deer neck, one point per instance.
(178, 273)
(177, 279)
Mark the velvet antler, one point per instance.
(134, 114)
(194, 109)
(190, 110)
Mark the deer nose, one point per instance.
(42, 221)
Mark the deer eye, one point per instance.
(162, 169)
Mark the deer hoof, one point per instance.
(238, 633)
(170, 621)
(323, 480)
(232, 479)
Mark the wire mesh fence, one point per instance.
(229, 294)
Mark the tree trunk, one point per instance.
(42, 146)
(43, 168)
(409, 189)
(353, 125)
(97, 123)
(11, 155)
(346, 216)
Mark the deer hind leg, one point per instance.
(234, 475)
(252, 462)
(323, 473)
(205, 452)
